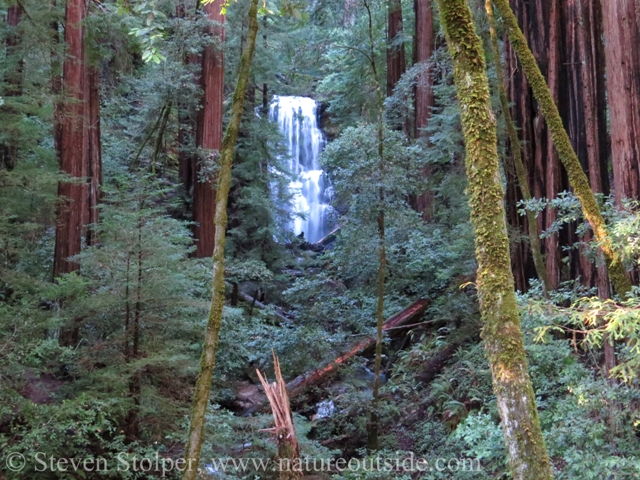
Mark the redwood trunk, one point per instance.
(423, 49)
(571, 61)
(396, 63)
(208, 135)
(593, 100)
(553, 170)
(620, 24)
(208, 359)
(622, 38)
(71, 194)
(538, 20)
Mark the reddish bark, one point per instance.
(521, 261)
(71, 194)
(622, 38)
(535, 20)
(423, 49)
(396, 62)
(209, 134)
(593, 99)
(553, 180)
(621, 25)
(572, 61)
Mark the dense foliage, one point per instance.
(136, 309)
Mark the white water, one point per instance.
(297, 118)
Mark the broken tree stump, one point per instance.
(283, 430)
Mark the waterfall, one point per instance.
(297, 118)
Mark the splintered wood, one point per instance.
(284, 431)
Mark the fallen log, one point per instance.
(434, 365)
(255, 302)
(248, 298)
(329, 237)
(301, 383)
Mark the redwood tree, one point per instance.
(621, 25)
(396, 62)
(592, 147)
(424, 41)
(521, 173)
(208, 359)
(566, 152)
(424, 44)
(572, 65)
(208, 133)
(622, 39)
(71, 211)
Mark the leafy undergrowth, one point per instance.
(590, 423)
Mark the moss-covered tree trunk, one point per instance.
(207, 362)
(577, 178)
(542, 163)
(501, 332)
(521, 172)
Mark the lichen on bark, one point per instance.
(502, 333)
(207, 362)
(577, 178)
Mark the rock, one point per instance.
(247, 394)
(326, 409)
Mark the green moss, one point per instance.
(521, 173)
(501, 332)
(207, 362)
(568, 157)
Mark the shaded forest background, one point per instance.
(111, 121)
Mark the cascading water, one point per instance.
(297, 119)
